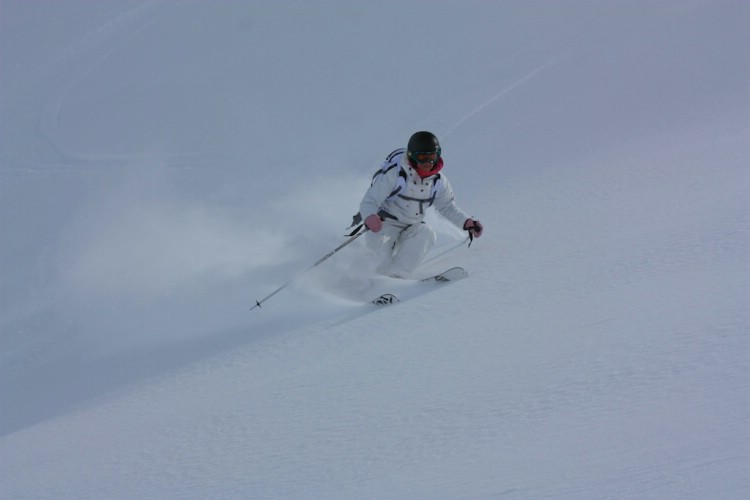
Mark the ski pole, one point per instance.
(319, 261)
(435, 257)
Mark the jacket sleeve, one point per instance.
(445, 204)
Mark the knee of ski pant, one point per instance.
(433, 235)
(415, 242)
(423, 232)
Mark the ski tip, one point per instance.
(457, 271)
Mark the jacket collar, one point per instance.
(435, 169)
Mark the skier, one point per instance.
(393, 208)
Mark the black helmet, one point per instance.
(422, 142)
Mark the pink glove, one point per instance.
(474, 227)
(374, 223)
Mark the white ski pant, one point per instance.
(400, 247)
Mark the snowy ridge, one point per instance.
(164, 164)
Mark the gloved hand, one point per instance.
(374, 223)
(474, 227)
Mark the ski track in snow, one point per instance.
(495, 98)
(98, 46)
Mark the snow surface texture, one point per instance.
(165, 164)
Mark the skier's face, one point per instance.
(425, 161)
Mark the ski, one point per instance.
(452, 274)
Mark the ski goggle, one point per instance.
(424, 157)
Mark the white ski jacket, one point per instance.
(402, 194)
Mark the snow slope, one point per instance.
(163, 164)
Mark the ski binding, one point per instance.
(385, 299)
